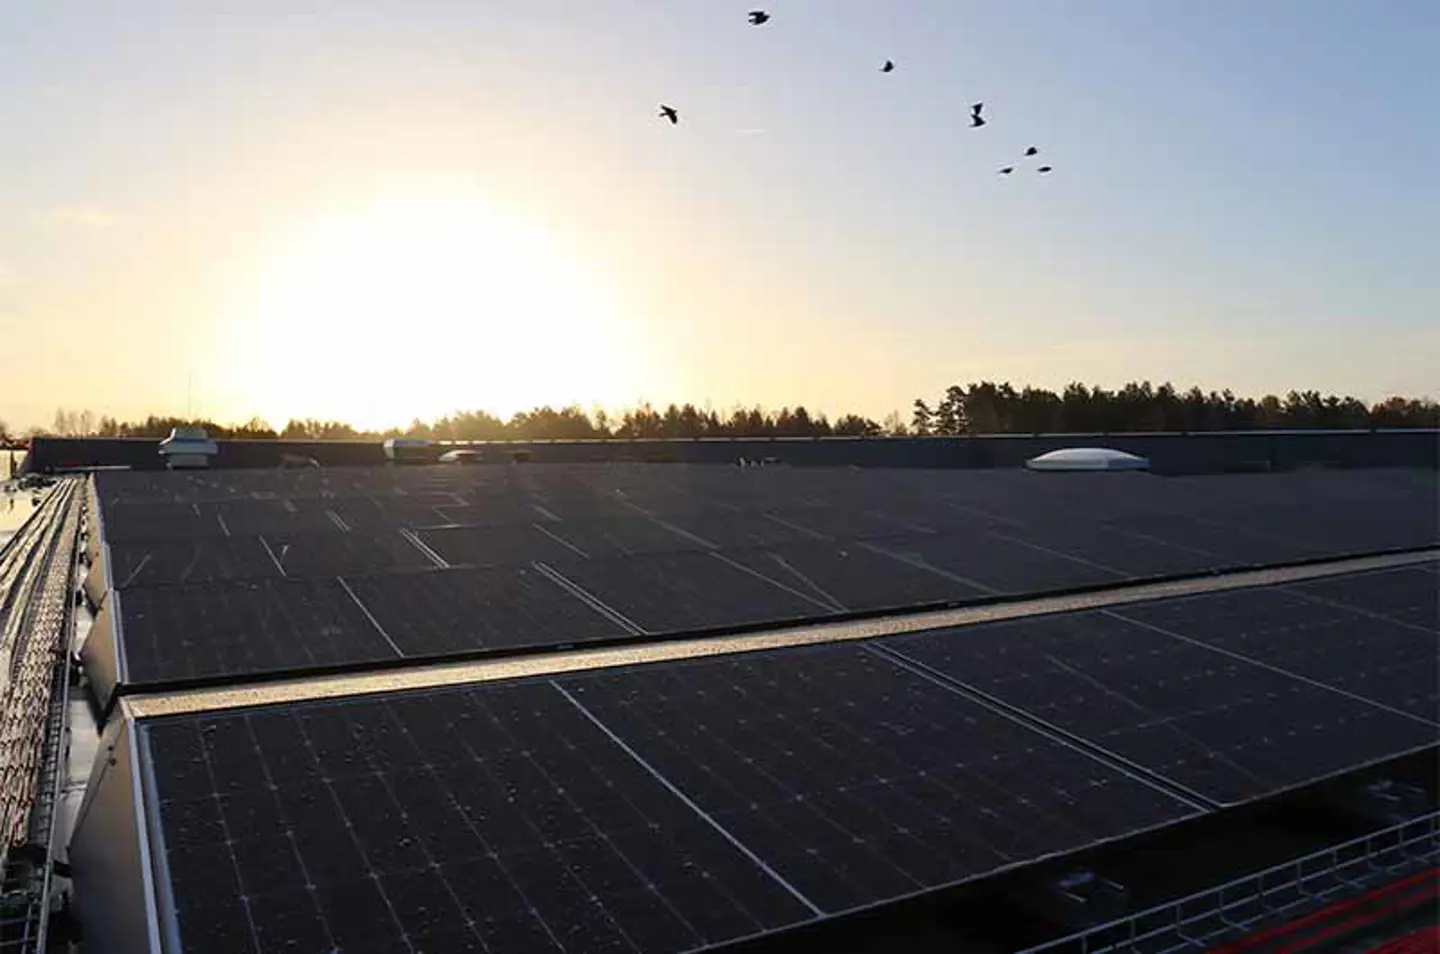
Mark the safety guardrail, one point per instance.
(1235, 908)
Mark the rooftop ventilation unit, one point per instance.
(1087, 458)
(188, 447)
(409, 450)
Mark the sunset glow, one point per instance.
(425, 302)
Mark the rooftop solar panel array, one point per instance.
(682, 805)
(666, 550)
(663, 811)
(678, 806)
(1224, 726)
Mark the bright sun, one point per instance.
(425, 305)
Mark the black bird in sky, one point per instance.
(889, 66)
(758, 17)
(1007, 170)
(1043, 169)
(668, 112)
(1032, 151)
(975, 121)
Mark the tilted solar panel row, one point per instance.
(676, 806)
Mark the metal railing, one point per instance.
(1238, 907)
(34, 674)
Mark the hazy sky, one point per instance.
(382, 209)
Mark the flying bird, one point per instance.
(975, 121)
(668, 112)
(888, 67)
(1007, 170)
(1043, 169)
(758, 17)
(1032, 151)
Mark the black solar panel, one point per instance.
(852, 577)
(736, 530)
(1226, 728)
(336, 554)
(844, 523)
(673, 592)
(390, 514)
(1233, 543)
(857, 780)
(621, 536)
(1390, 663)
(149, 562)
(463, 610)
(242, 627)
(499, 819)
(494, 512)
(997, 565)
(1411, 595)
(158, 521)
(244, 518)
(496, 545)
(1131, 555)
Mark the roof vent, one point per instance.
(1087, 458)
(188, 447)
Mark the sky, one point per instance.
(381, 209)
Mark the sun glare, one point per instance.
(422, 306)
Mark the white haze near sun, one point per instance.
(429, 302)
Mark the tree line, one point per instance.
(983, 407)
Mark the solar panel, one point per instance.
(852, 577)
(464, 610)
(732, 530)
(1410, 595)
(392, 513)
(499, 819)
(857, 780)
(240, 627)
(496, 545)
(675, 592)
(1130, 555)
(1223, 727)
(336, 554)
(158, 521)
(844, 523)
(497, 512)
(243, 518)
(1233, 542)
(1378, 525)
(1390, 663)
(622, 536)
(151, 562)
(998, 565)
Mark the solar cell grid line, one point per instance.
(854, 576)
(841, 523)
(1409, 597)
(1218, 724)
(331, 554)
(590, 599)
(1371, 658)
(660, 777)
(810, 594)
(469, 611)
(857, 780)
(895, 550)
(1126, 766)
(1133, 556)
(624, 536)
(231, 628)
(481, 546)
(495, 818)
(684, 590)
(158, 562)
